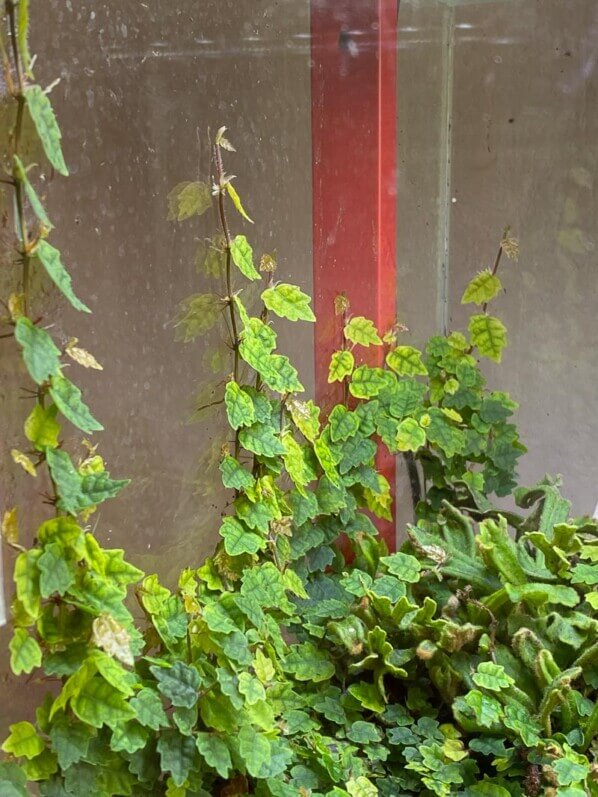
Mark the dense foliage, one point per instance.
(463, 664)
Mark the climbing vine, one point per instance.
(463, 664)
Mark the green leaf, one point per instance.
(492, 676)
(178, 755)
(67, 398)
(40, 354)
(25, 653)
(343, 424)
(327, 461)
(262, 440)
(47, 128)
(255, 750)
(188, 199)
(410, 436)
(238, 539)
(239, 406)
(287, 301)
(361, 787)
(80, 492)
(251, 688)
(518, 719)
(487, 709)
(571, 770)
(403, 565)
(406, 397)
(129, 737)
(341, 365)
(236, 199)
(482, 288)
(367, 382)
(368, 695)
(489, 335)
(13, 780)
(70, 741)
(99, 703)
(406, 361)
(34, 200)
(539, 594)
(362, 331)
(295, 462)
(42, 767)
(50, 260)
(55, 574)
(234, 475)
(215, 753)
(23, 741)
(242, 255)
(149, 709)
(308, 663)
(442, 432)
(42, 428)
(179, 683)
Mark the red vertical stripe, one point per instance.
(354, 60)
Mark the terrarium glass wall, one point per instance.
(141, 85)
(498, 123)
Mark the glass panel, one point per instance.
(498, 122)
(141, 86)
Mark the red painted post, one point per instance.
(354, 63)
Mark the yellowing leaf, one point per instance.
(410, 436)
(113, 638)
(306, 416)
(10, 526)
(482, 288)
(24, 461)
(25, 653)
(23, 741)
(489, 335)
(341, 365)
(361, 330)
(237, 200)
(82, 356)
(406, 361)
(42, 428)
(287, 301)
(242, 255)
(16, 305)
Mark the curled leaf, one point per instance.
(82, 356)
(113, 638)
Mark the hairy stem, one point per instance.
(229, 290)
(19, 95)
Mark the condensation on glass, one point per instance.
(498, 123)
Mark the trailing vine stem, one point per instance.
(220, 182)
(19, 95)
(24, 246)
